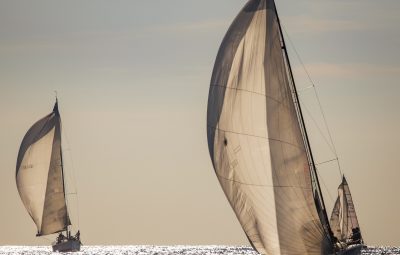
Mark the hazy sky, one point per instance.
(133, 79)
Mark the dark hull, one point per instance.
(68, 246)
(352, 250)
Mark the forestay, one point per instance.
(255, 139)
(39, 175)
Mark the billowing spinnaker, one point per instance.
(39, 175)
(255, 140)
(344, 218)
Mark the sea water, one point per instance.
(165, 250)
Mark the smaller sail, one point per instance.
(344, 222)
(39, 175)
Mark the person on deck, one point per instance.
(356, 236)
(60, 238)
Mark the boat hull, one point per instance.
(352, 250)
(68, 246)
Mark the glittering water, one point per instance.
(165, 250)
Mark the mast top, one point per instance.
(55, 108)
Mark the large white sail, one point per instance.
(344, 219)
(39, 175)
(255, 140)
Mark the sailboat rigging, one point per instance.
(40, 180)
(258, 141)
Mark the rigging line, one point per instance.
(73, 173)
(326, 188)
(330, 146)
(318, 99)
(304, 89)
(324, 162)
(319, 129)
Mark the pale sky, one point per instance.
(133, 79)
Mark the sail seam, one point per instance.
(249, 91)
(262, 185)
(267, 138)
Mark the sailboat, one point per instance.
(41, 181)
(344, 220)
(258, 141)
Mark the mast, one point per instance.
(304, 131)
(62, 167)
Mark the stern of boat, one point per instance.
(68, 246)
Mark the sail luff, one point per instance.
(296, 100)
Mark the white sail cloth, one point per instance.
(39, 175)
(344, 217)
(255, 140)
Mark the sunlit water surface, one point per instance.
(165, 250)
